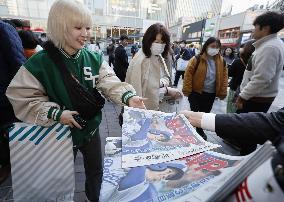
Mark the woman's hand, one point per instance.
(137, 102)
(66, 118)
(174, 93)
(193, 117)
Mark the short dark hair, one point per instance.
(122, 37)
(272, 19)
(17, 22)
(150, 36)
(182, 41)
(29, 40)
(208, 42)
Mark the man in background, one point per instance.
(121, 59)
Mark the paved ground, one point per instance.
(110, 127)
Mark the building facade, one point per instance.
(111, 18)
(236, 29)
(181, 13)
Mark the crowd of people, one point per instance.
(34, 90)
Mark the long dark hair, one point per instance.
(248, 50)
(208, 42)
(150, 36)
(232, 55)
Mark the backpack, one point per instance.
(198, 61)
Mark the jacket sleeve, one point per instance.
(12, 49)
(134, 75)
(30, 101)
(188, 76)
(264, 72)
(112, 88)
(223, 92)
(250, 127)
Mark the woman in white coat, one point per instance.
(148, 72)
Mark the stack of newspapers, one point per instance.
(144, 172)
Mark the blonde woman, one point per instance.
(40, 93)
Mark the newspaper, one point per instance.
(150, 137)
(195, 178)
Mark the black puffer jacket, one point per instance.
(11, 58)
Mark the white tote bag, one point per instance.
(42, 163)
(182, 64)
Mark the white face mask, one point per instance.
(182, 45)
(212, 51)
(157, 48)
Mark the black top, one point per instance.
(254, 127)
(236, 71)
(120, 62)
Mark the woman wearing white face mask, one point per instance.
(205, 78)
(148, 72)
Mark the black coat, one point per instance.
(120, 62)
(11, 58)
(254, 127)
(236, 71)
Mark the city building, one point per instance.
(211, 28)
(181, 13)
(111, 17)
(235, 29)
(192, 33)
(277, 5)
(130, 17)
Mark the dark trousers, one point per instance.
(111, 60)
(201, 102)
(252, 106)
(4, 149)
(177, 76)
(92, 156)
(7, 117)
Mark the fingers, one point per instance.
(143, 98)
(73, 112)
(70, 125)
(73, 122)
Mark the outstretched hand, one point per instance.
(137, 102)
(193, 117)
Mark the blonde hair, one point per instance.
(63, 16)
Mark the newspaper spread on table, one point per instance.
(193, 178)
(150, 137)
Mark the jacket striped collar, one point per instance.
(76, 56)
